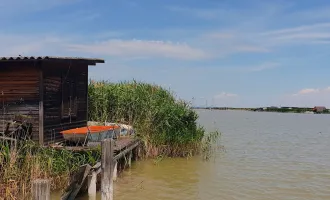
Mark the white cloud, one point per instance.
(142, 48)
(307, 91)
(14, 45)
(247, 30)
(311, 35)
(225, 95)
(231, 42)
(298, 29)
(308, 97)
(312, 91)
(213, 44)
(317, 33)
(256, 41)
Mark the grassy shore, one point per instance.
(166, 125)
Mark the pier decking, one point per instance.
(120, 145)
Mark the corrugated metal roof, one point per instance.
(31, 58)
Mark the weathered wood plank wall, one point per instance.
(19, 94)
(56, 77)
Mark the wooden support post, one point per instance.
(115, 171)
(107, 162)
(130, 159)
(138, 152)
(41, 189)
(135, 153)
(92, 186)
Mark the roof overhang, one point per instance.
(89, 61)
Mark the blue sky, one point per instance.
(228, 53)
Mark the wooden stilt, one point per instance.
(41, 189)
(92, 186)
(107, 162)
(130, 159)
(115, 171)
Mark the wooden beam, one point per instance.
(97, 167)
(130, 158)
(115, 171)
(41, 189)
(77, 182)
(7, 138)
(41, 105)
(92, 179)
(123, 153)
(107, 164)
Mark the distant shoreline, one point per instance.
(272, 109)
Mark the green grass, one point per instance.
(167, 126)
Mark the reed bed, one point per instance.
(167, 126)
(27, 161)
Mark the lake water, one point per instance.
(269, 156)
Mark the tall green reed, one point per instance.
(166, 125)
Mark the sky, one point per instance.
(216, 52)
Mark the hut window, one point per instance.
(69, 99)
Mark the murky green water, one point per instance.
(269, 156)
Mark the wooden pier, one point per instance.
(116, 155)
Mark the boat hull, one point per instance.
(90, 133)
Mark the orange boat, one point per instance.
(91, 133)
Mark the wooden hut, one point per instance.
(47, 93)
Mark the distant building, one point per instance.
(319, 108)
